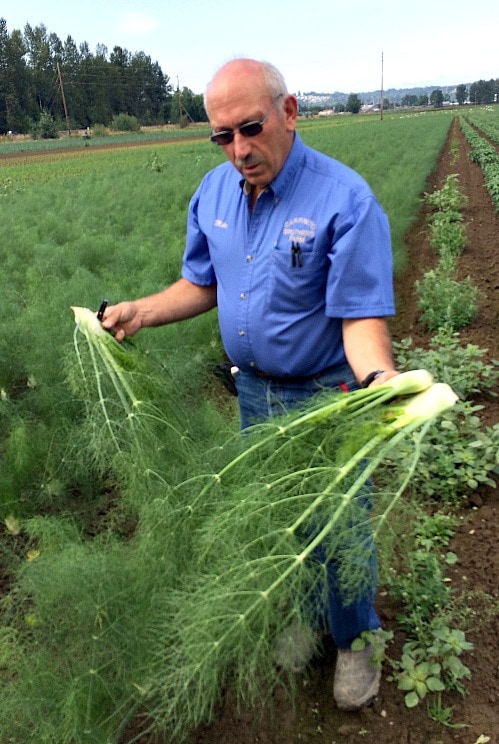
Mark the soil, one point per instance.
(314, 719)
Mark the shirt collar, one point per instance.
(287, 172)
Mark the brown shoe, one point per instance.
(356, 678)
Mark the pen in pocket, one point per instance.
(296, 255)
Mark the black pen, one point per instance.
(100, 311)
(296, 255)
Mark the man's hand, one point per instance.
(179, 301)
(384, 377)
(123, 318)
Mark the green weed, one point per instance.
(446, 302)
(464, 368)
(430, 661)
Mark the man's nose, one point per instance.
(242, 146)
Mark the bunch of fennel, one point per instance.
(288, 501)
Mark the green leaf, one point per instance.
(406, 683)
(434, 684)
(358, 644)
(411, 700)
(421, 689)
(456, 667)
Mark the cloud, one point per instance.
(136, 24)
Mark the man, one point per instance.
(294, 250)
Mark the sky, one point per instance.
(323, 46)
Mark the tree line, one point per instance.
(43, 77)
(479, 93)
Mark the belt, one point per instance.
(301, 378)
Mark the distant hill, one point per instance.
(394, 95)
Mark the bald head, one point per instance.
(246, 91)
(250, 76)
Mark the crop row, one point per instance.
(487, 158)
(487, 121)
(10, 145)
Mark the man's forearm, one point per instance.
(368, 347)
(179, 301)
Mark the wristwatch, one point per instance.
(370, 377)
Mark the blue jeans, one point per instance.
(260, 398)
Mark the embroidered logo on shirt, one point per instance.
(299, 229)
(220, 223)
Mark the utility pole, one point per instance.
(63, 100)
(180, 107)
(382, 93)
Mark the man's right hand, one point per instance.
(179, 301)
(124, 319)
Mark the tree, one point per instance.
(483, 91)
(4, 86)
(354, 104)
(461, 94)
(409, 100)
(42, 66)
(15, 84)
(437, 98)
(95, 78)
(187, 106)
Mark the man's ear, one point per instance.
(290, 112)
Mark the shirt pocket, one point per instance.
(297, 277)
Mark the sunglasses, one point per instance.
(251, 129)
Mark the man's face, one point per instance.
(259, 159)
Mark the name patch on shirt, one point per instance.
(299, 229)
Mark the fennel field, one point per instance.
(82, 561)
(78, 227)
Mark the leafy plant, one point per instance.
(454, 151)
(125, 123)
(457, 456)
(445, 301)
(448, 234)
(449, 197)
(156, 163)
(448, 645)
(430, 658)
(418, 678)
(419, 581)
(45, 127)
(433, 668)
(442, 714)
(462, 367)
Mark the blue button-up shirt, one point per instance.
(314, 250)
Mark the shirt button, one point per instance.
(243, 295)
(249, 258)
(242, 333)
(252, 364)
